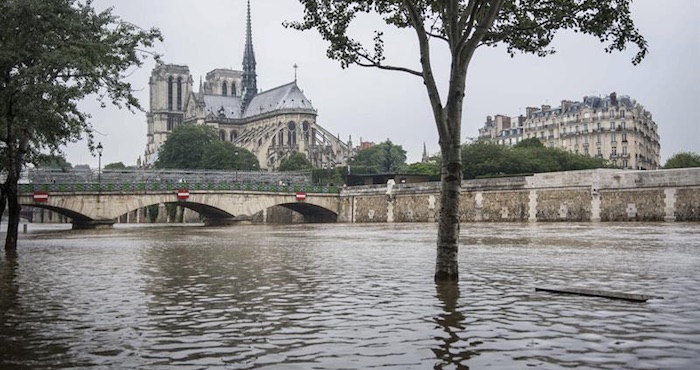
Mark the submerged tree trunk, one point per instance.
(446, 265)
(13, 211)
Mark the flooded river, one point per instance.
(350, 297)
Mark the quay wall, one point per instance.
(606, 195)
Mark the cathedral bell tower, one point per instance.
(249, 84)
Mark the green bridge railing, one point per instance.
(128, 187)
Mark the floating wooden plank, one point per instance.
(600, 293)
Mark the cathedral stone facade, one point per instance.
(271, 124)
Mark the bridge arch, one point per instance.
(217, 207)
(312, 213)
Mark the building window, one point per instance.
(173, 121)
(585, 151)
(224, 89)
(624, 137)
(222, 135)
(170, 93)
(234, 136)
(622, 114)
(613, 138)
(600, 152)
(612, 125)
(612, 114)
(179, 93)
(292, 136)
(614, 151)
(233, 89)
(624, 150)
(598, 138)
(624, 126)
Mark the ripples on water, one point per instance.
(350, 297)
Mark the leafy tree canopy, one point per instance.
(115, 166)
(185, 146)
(484, 158)
(53, 161)
(199, 147)
(381, 158)
(431, 167)
(223, 155)
(683, 160)
(295, 161)
(53, 54)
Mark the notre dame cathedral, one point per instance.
(271, 124)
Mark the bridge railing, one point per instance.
(142, 187)
(73, 176)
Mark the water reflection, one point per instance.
(450, 351)
(349, 297)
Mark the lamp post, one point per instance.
(99, 170)
(236, 160)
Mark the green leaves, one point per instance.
(295, 161)
(199, 147)
(381, 158)
(683, 160)
(484, 159)
(54, 53)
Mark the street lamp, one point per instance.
(236, 160)
(99, 169)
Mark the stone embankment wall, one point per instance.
(590, 195)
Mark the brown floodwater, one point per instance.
(344, 296)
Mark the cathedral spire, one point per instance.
(250, 85)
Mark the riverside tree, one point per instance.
(199, 147)
(53, 54)
(385, 157)
(461, 27)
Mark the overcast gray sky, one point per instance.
(376, 105)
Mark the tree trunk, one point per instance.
(446, 266)
(3, 200)
(13, 211)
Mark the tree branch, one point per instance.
(428, 77)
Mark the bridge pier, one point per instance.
(92, 224)
(227, 221)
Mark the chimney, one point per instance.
(565, 104)
(546, 108)
(530, 110)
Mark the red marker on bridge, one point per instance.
(301, 196)
(183, 194)
(41, 196)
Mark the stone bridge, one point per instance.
(91, 205)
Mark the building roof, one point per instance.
(287, 96)
(222, 106)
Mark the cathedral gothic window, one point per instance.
(179, 93)
(233, 89)
(170, 93)
(224, 88)
(292, 137)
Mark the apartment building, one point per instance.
(614, 128)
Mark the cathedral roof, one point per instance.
(287, 96)
(222, 106)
